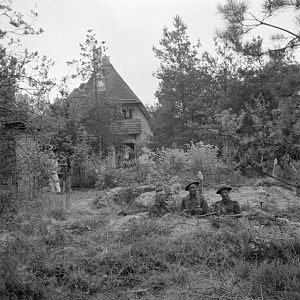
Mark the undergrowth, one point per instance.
(150, 259)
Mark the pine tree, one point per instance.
(180, 82)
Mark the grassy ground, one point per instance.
(89, 253)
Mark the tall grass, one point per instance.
(148, 259)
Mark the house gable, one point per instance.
(117, 90)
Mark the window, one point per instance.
(127, 113)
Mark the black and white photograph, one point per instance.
(150, 149)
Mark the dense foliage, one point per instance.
(243, 101)
(224, 114)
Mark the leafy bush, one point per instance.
(216, 169)
(141, 173)
(173, 160)
(107, 173)
(34, 169)
(166, 166)
(84, 170)
(185, 163)
(204, 157)
(16, 280)
(84, 161)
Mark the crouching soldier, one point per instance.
(194, 203)
(227, 206)
(160, 207)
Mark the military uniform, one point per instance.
(194, 205)
(159, 209)
(228, 207)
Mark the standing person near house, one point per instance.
(194, 203)
(227, 206)
(53, 176)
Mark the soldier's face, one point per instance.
(193, 189)
(161, 196)
(224, 194)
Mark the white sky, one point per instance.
(129, 27)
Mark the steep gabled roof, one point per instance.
(116, 89)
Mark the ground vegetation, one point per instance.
(228, 114)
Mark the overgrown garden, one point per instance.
(228, 114)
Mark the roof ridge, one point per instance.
(115, 87)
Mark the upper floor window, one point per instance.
(127, 113)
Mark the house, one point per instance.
(135, 127)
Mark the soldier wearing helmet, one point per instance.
(227, 206)
(194, 203)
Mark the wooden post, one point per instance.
(135, 150)
(68, 190)
(200, 187)
(298, 186)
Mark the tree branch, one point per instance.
(279, 28)
(265, 173)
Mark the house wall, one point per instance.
(146, 130)
(145, 127)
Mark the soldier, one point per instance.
(160, 207)
(194, 203)
(226, 206)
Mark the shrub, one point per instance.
(16, 280)
(216, 170)
(204, 157)
(276, 280)
(141, 173)
(171, 162)
(167, 164)
(110, 176)
(33, 171)
(84, 170)
(107, 173)
(57, 214)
